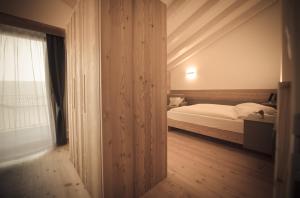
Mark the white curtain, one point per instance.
(26, 119)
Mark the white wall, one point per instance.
(51, 12)
(247, 58)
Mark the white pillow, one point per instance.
(244, 109)
(176, 101)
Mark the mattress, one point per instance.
(235, 125)
(212, 110)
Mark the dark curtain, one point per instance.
(56, 57)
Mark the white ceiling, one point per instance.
(193, 25)
(51, 12)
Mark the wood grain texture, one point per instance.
(117, 90)
(283, 140)
(150, 125)
(116, 95)
(208, 131)
(83, 80)
(134, 92)
(227, 97)
(50, 175)
(199, 167)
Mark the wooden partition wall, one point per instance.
(84, 94)
(283, 141)
(117, 95)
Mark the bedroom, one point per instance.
(228, 55)
(224, 60)
(224, 68)
(153, 98)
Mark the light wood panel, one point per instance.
(283, 141)
(118, 134)
(83, 70)
(117, 92)
(226, 96)
(150, 125)
(134, 92)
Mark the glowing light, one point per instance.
(191, 73)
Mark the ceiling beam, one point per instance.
(245, 17)
(197, 15)
(190, 41)
(70, 3)
(174, 6)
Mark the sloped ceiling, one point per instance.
(71, 3)
(51, 12)
(193, 25)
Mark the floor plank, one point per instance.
(197, 167)
(51, 175)
(203, 167)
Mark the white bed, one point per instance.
(209, 121)
(220, 121)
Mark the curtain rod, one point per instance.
(8, 19)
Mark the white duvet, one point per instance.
(214, 110)
(240, 111)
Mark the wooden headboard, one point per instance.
(227, 96)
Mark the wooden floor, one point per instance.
(200, 167)
(51, 176)
(197, 167)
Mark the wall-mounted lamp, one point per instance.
(191, 73)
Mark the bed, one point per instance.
(224, 122)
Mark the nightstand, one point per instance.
(259, 134)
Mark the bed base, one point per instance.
(229, 136)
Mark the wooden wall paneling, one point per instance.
(117, 91)
(68, 90)
(91, 92)
(83, 71)
(161, 89)
(283, 163)
(149, 60)
(139, 97)
(158, 88)
(84, 88)
(78, 90)
(70, 70)
(229, 97)
(116, 66)
(73, 66)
